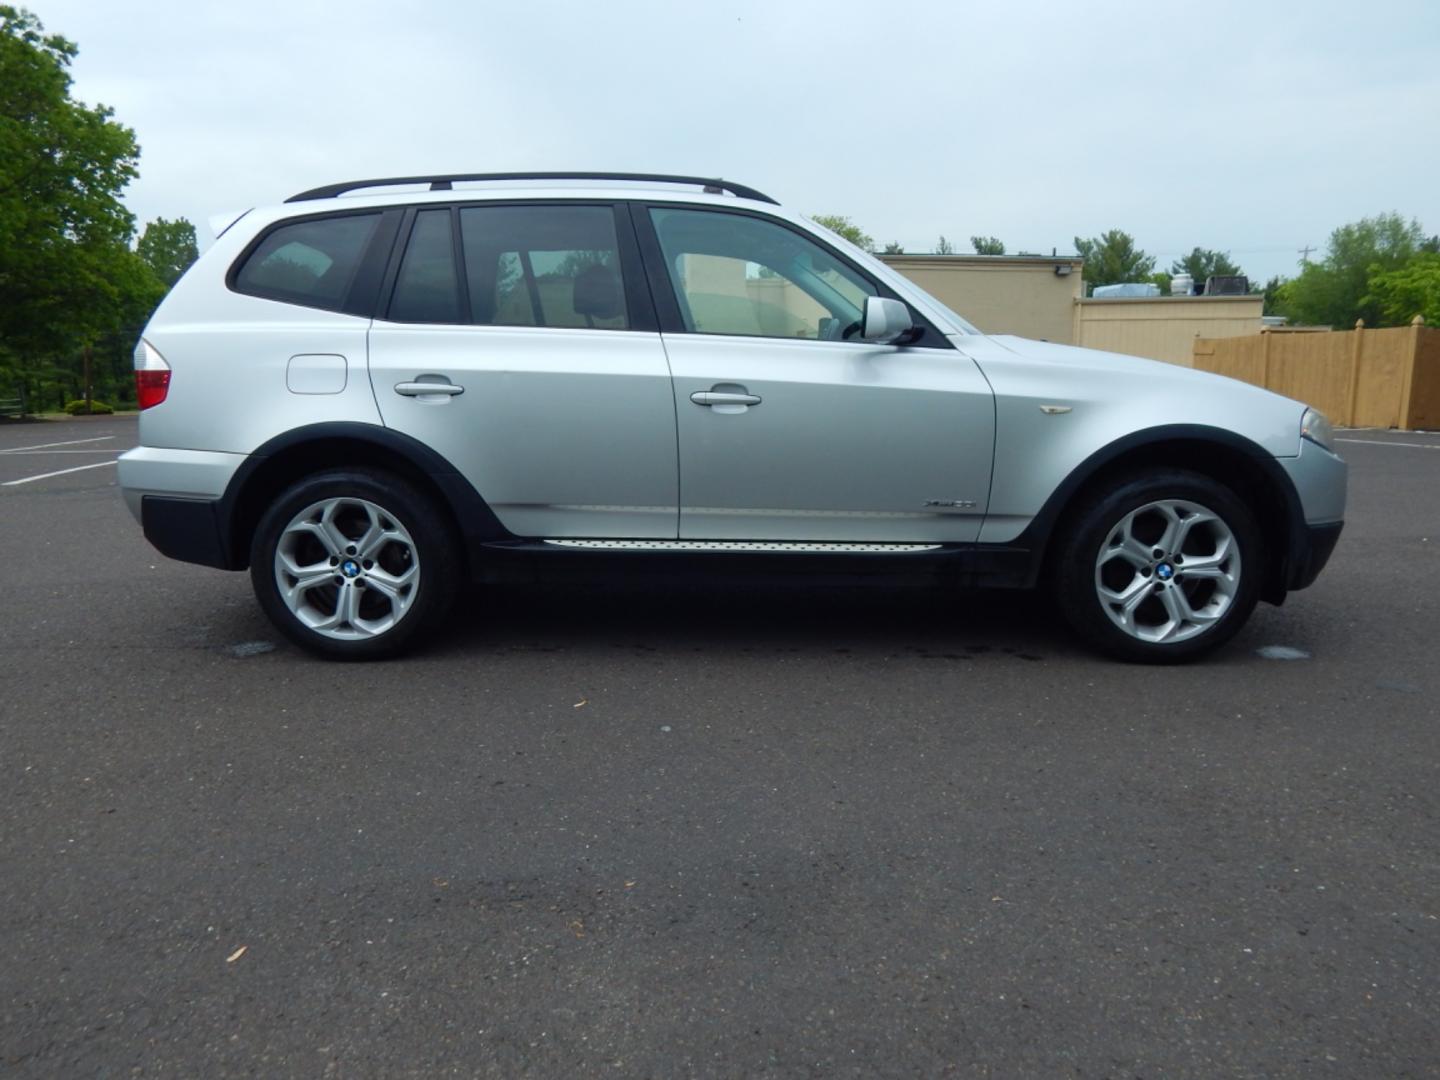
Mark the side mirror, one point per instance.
(886, 320)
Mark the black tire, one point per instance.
(399, 596)
(1218, 606)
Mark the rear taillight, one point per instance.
(152, 375)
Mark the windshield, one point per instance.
(962, 324)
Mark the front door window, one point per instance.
(745, 276)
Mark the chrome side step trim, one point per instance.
(775, 546)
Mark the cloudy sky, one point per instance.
(1252, 127)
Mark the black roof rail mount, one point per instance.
(446, 182)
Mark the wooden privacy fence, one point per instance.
(1359, 378)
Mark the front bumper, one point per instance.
(1314, 552)
(1320, 478)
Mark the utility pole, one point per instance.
(1305, 253)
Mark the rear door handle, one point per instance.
(719, 397)
(421, 389)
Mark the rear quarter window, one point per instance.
(310, 262)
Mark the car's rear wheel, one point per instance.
(1163, 567)
(354, 564)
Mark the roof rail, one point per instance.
(445, 182)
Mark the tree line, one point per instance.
(76, 287)
(1382, 269)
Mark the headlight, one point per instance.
(1316, 427)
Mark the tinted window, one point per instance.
(426, 289)
(736, 274)
(309, 262)
(543, 266)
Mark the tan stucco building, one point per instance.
(1002, 294)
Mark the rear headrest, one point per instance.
(598, 293)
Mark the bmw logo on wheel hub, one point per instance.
(1164, 571)
(350, 568)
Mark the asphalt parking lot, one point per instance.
(730, 832)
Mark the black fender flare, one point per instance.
(476, 522)
(1037, 536)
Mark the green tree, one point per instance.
(1202, 264)
(1273, 292)
(894, 248)
(843, 226)
(168, 248)
(943, 246)
(65, 271)
(1336, 290)
(1113, 259)
(987, 245)
(107, 314)
(1410, 290)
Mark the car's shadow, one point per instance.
(738, 617)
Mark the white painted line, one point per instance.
(1386, 431)
(45, 453)
(47, 445)
(1391, 442)
(62, 472)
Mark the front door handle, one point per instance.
(423, 389)
(722, 397)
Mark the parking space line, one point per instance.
(47, 445)
(1391, 442)
(61, 472)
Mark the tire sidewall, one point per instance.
(1093, 523)
(435, 551)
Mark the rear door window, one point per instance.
(554, 266)
(308, 262)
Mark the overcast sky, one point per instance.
(1252, 127)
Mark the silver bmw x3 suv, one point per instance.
(383, 390)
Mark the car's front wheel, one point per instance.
(354, 564)
(1161, 568)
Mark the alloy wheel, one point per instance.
(1168, 571)
(346, 568)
